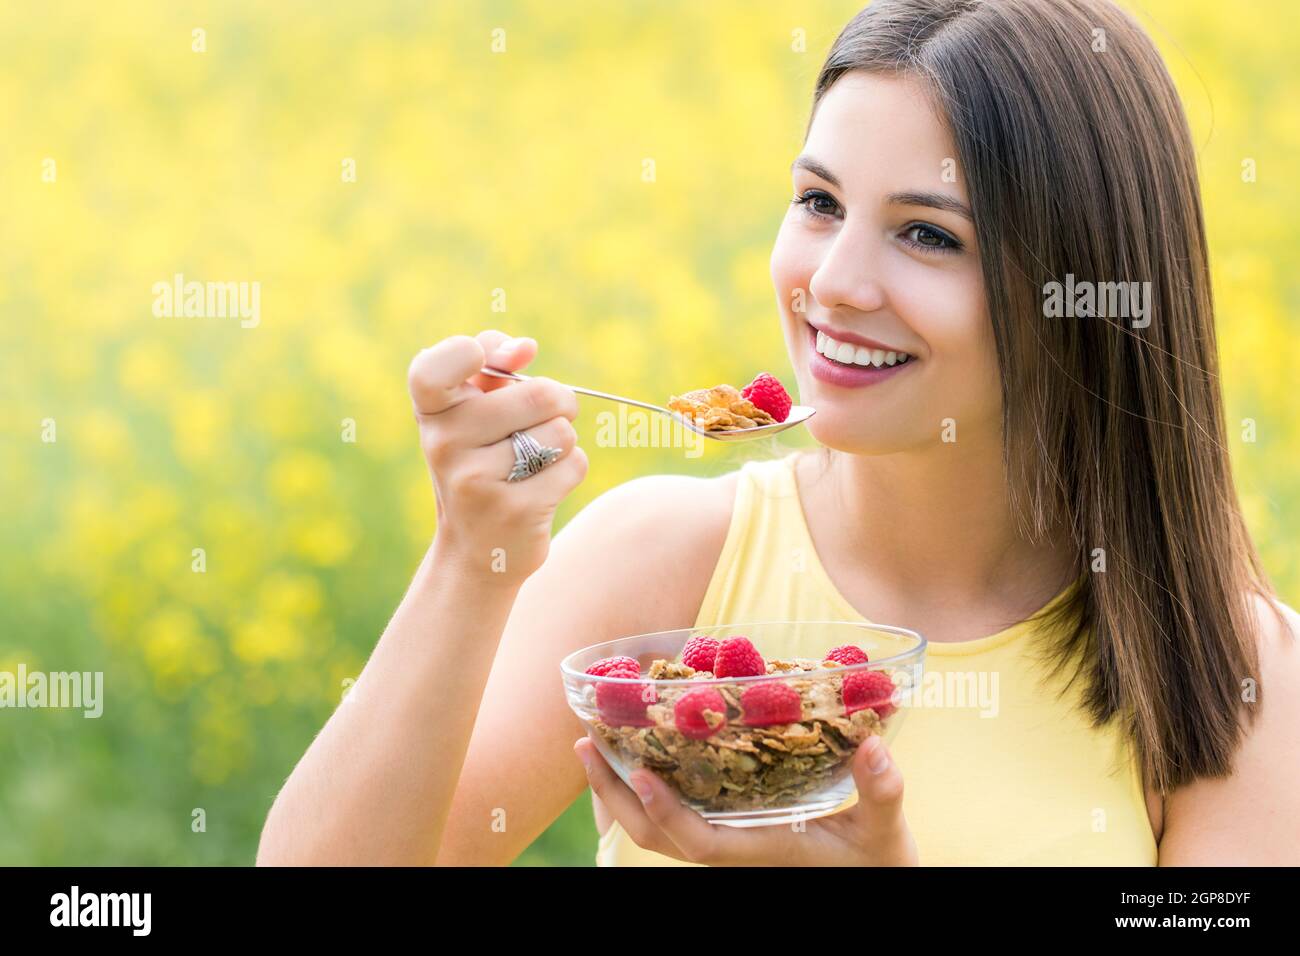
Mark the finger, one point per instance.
(524, 405)
(503, 352)
(880, 788)
(622, 804)
(555, 481)
(697, 839)
(557, 432)
(477, 424)
(702, 842)
(437, 375)
(559, 479)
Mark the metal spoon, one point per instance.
(798, 414)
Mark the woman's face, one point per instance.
(878, 253)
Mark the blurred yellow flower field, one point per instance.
(221, 517)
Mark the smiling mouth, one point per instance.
(850, 365)
(849, 354)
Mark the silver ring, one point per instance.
(530, 457)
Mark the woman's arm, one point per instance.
(383, 781)
(376, 784)
(636, 559)
(1251, 818)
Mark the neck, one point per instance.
(936, 524)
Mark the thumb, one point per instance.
(505, 353)
(880, 785)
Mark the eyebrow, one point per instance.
(816, 168)
(934, 201)
(909, 198)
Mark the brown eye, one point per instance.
(824, 205)
(819, 205)
(929, 239)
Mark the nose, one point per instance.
(846, 278)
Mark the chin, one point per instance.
(840, 431)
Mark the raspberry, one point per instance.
(738, 658)
(769, 395)
(847, 654)
(872, 689)
(701, 713)
(623, 705)
(770, 702)
(700, 652)
(602, 667)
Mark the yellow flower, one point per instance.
(299, 475)
(267, 638)
(175, 648)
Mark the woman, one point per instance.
(1045, 495)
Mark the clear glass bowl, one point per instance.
(734, 765)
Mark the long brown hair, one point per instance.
(1078, 161)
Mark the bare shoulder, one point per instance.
(1279, 630)
(651, 545)
(1251, 817)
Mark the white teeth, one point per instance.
(848, 354)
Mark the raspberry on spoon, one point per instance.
(767, 393)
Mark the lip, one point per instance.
(853, 338)
(849, 376)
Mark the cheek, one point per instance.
(948, 312)
(944, 308)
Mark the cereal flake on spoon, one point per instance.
(764, 401)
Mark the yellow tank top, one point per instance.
(998, 770)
